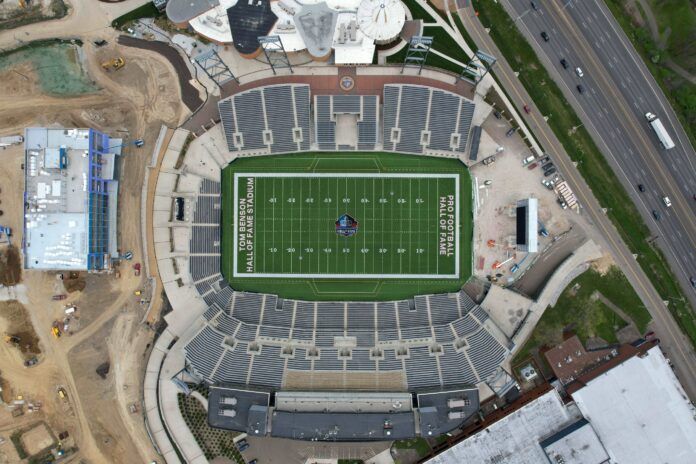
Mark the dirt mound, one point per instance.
(103, 369)
(10, 266)
(75, 282)
(19, 325)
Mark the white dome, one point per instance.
(381, 20)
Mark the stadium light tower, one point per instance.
(477, 67)
(214, 67)
(417, 53)
(275, 53)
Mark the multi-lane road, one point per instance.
(617, 91)
(674, 342)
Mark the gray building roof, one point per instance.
(441, 412)
(181, 11)
(240, 410)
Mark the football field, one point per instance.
(394, 225)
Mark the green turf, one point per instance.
(289, 245)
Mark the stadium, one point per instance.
(320, 256)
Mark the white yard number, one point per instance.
(327, 250)
(309, 200)
(383, 200)
(419, 251)
(290, 250)
(327, 200)
(273, 250)
(364, 250)
(364, 200)
(346, 250)
(309, 250)
(272, 200)
(401, 201)
(291, 200)
(346, 200)
(382, 250)
(419, 201)
(401, 250)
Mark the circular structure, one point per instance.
(381, 20)
(347, 83)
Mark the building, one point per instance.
(631, 409)
(527, 220)
(639, 410)
(350, 29)
(570, 359)
(70, 198)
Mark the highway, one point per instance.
(674, 343)
(618, 91)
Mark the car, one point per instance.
(544, 36)
(649, 335)
(579, 72)
(100, 42)
(527, 109)
(692, 279)
(667, 201)
(545, 160)
(242, 445)
(489, 160)
(497, 115)
(510, 132)
(564, 63)
(532, 166)
(253, 461)
(549, 172)
(534, 6)
(31, 361)
(487, 182)
(656, 214)
(548, 166)
(641, 187)
(580, 88)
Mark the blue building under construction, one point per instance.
(70, 199)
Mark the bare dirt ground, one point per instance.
(133, 101)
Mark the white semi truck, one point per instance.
(660, 131)
(10, 140)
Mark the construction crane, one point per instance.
(114, 63)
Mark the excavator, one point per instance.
(114, 63)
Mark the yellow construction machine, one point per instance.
(114, 63)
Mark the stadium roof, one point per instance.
(181, 11)
(249, 20)
(640, 411)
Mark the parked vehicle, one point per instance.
(497, 115)
(545, 160)
(564, 63)
(548, 166)
(528, 160)
(544, 36)
(532, 166)
(59, 297)
(549, 172)
(660, 131)
(489, 160)
(510, 132)
(31, 361)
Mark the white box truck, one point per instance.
(662, 135)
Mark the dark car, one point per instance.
(580, 88)
(534, 6)
(179, 208)
(544, 36)
(564, 63)
(100, 42)
(242, 445)
(527, 109)
(545, 160)
(510, 132)
(641, 187)
(693, 281)
(656, 214)
(549, 172)
(497, 115)
(548, 166)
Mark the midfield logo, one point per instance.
(346, 226)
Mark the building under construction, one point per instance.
(70, 199)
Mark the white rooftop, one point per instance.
(515, 438)
(641, 412)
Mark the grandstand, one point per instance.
(414, 363)
(412, 122)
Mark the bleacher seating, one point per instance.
(270, 119)
(364, 107)
(414, 122)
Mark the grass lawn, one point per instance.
(591, 163)
(285, 239)
(148, 10)
(577, 311)
(420, 445)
